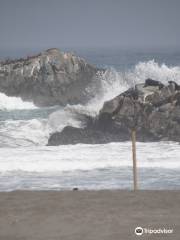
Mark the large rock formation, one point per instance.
(50, 78)
(151, 108)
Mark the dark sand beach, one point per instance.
(88, 215)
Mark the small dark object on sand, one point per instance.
(75, 189)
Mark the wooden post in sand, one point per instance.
(133, 138)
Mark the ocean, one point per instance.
(26, 163)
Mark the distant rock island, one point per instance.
(49, 78)
(152, 108)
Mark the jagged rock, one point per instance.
(72, 135)
(152, 109)
(155, 113)
(49, 78)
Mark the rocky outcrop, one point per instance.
(49, 78)
(152, 108)
(72, 135)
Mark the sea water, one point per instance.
(27, 163)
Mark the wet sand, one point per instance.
(88, 215)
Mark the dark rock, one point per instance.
(156, 112)
(151, 82)
(175, 85)
(49, 78)
(72, 135)
(177, 98)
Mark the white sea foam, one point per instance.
(89, 166)
(62, 118)
(160, 72)
(51, 160)
(12, 103)
(24, 133)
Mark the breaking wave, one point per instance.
(24, 133)
(11, 103)
(108, 85)
(88, 157)
(113, 82)
(152, 69)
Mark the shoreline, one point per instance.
(88, 214)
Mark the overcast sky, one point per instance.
(89, 23)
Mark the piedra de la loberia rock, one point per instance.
(153, 109)
(49, 78)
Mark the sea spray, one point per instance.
(11, 103)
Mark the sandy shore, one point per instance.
(88, 215)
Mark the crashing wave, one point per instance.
(12, 103)
(24, 133)
(152, 69)
(108, 85)
(113, 83)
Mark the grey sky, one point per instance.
(89, 23)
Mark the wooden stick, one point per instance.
(133, 137)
